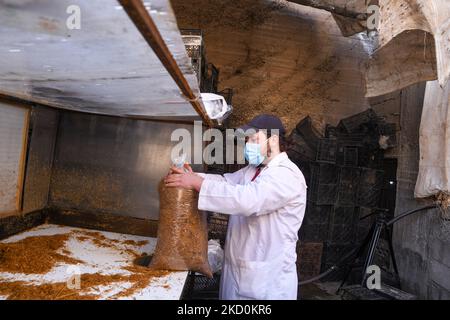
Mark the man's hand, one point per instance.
(177, 177)
(186, 167)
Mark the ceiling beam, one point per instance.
(146, 26)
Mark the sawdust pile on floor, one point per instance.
(140, 278)
(38, 255)
(34, 254)
(135, 243)
(20, 290)
(103, 242)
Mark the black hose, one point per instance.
(353, 251)
(320, 276)
(401, 216)
(331, 269)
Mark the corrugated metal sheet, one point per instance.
(105, 67)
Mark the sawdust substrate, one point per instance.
(103, 242)
(39, 254)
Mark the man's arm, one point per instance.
(186, 178)
(260, 197)
(210, 176)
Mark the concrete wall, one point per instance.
(110, 165)
(280, 58)
(422, 246)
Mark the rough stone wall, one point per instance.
(421, 241)
(281, 58)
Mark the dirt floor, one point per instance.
(280, 58)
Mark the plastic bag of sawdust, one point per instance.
(182, 233)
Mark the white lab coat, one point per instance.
(265, 216)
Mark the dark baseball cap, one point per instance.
(265, 121)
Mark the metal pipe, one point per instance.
(144, 23)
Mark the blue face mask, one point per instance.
(252, 153)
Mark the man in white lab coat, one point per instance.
(266, 202)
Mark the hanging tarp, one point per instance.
(414, 45)
(434, 165)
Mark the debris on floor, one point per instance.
(385, 292)
(44, 263)
(35, 254)
(319, 291)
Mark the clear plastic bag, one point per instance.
(182, 233)
(215, 255)
(216, 106)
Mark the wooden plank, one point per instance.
(23, 159)
(14, 174)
